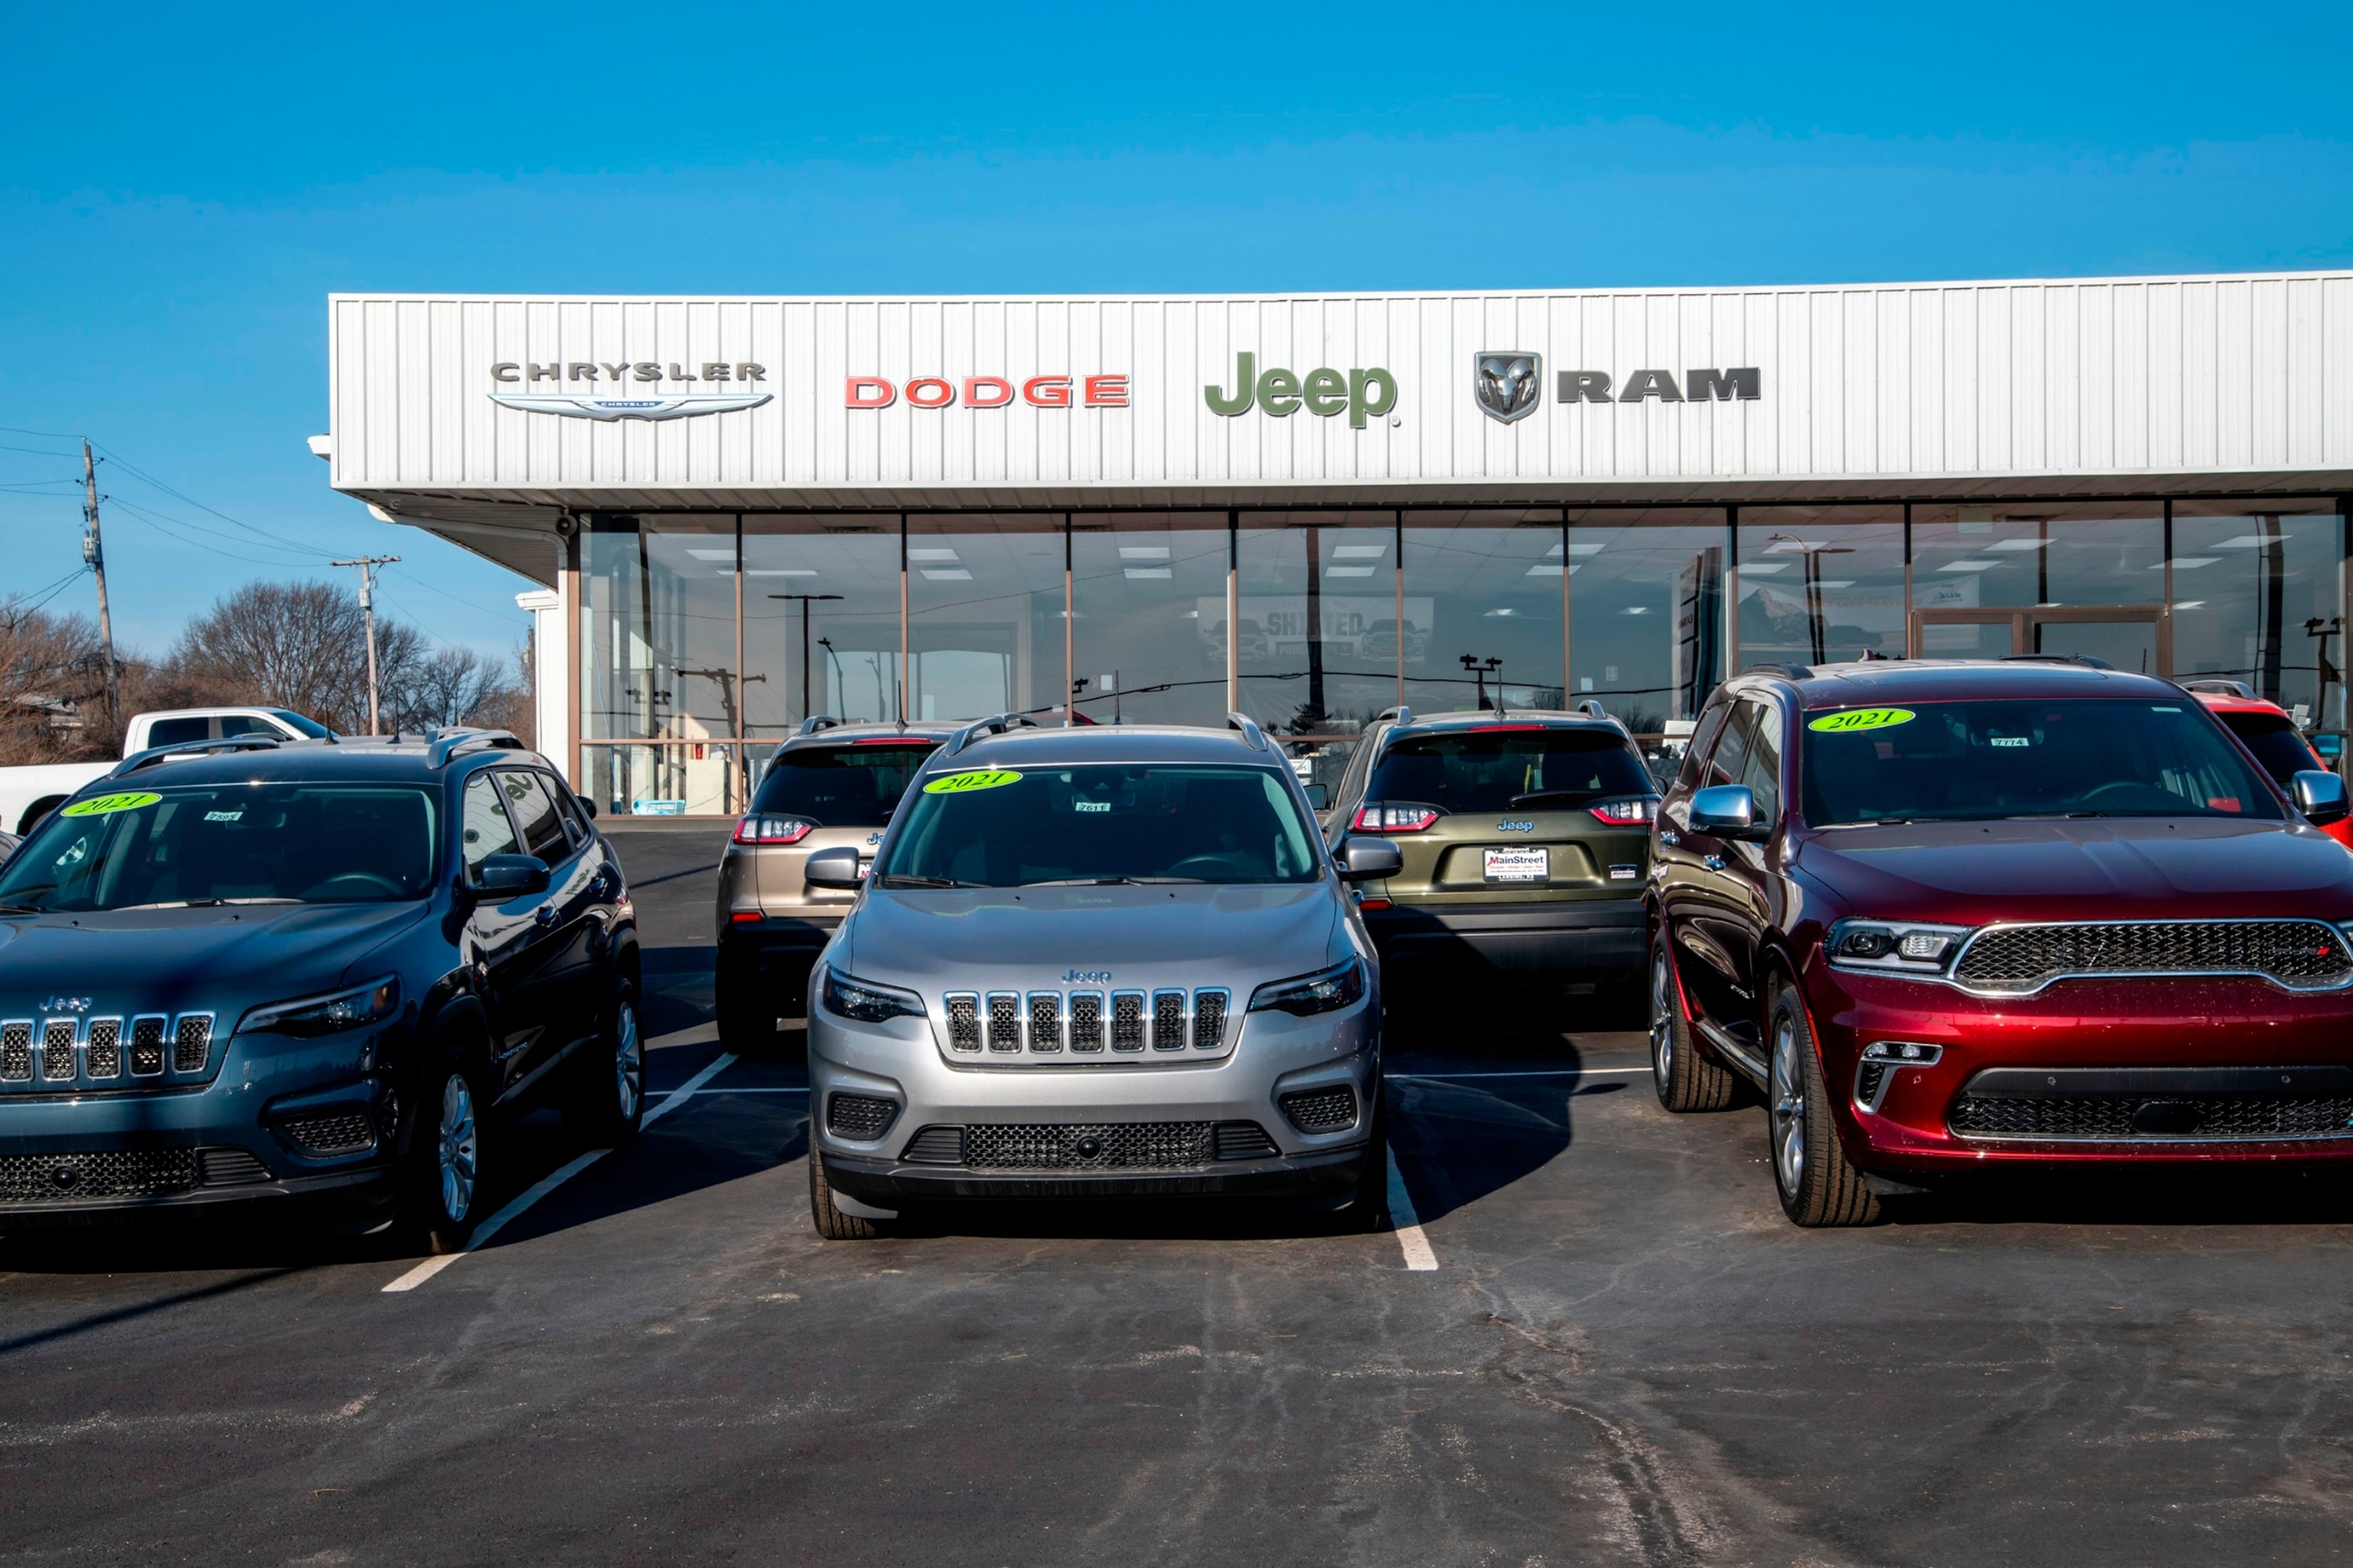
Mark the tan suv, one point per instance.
(1527, 839)
(831, 786)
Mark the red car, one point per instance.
(2267, 730)
(1951, 916)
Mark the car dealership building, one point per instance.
(748, 510)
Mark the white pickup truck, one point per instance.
(28, 794)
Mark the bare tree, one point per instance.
(292, 645)
(52, 685)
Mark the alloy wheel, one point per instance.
(628, 1061)
(459, 1146)
(1789, 1108)
(1662, 1022)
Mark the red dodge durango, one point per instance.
(1953, 915)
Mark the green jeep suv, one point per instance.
(1526, 838)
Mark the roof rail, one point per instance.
(1401, 713)
(1252, 736)
(816, 721)
(2239, 689)
(155, 754)
(447, 742)
(1590, 708)
(997, 726)
(2084, 658)
(1793, 671)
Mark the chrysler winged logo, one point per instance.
(1507, 383)
(590, 406)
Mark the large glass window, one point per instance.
(820, 619)
(1646, 612)
(1820, 584)
(983, 615)
(1483, 598)
(2256, 598)
(2084, 578)
(1148, 637)
(1316, 588)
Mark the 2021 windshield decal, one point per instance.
(1861, 718)
(107, 805)
(966, 783)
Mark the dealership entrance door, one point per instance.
(2137, 637)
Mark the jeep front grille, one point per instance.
(97, 1174)
(2017, 960)
(57, 1051)
(101, 1055)
(1089, 1146)
(2148, 1119)
(1025, 1025)
(50, 1055)
(1332, 1109)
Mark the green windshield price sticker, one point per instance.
(1860, 718)
(965, 783)
(107, 805)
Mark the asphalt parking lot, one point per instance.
(1623, 1353)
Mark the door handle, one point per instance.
(543, 915)
(1714, 863)
(1669, 837)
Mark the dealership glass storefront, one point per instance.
(704, 638)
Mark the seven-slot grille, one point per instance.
(56, 1052)
(1048, 1023)
(2296, 955)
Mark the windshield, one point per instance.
(1496, 769)
(1967, 761)
(1002, 827)
(2274, 741)
(856, 784)
(297, 843)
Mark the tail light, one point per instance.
(1375, 817)
(1636, 811)
(759, 830)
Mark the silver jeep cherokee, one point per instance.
(1097, 963)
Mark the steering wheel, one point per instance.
(2135, 788)
(353, 882)
(1204, 866)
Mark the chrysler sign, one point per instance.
(652, 403)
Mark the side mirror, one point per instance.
(586, 805)
(1368, 860)
(2319, 796)
(1726, 811)
(1319, 797)
(503, 876)
(834, 868)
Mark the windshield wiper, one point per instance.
(1535, 795)
(904, 879)
(22, 909)
(205, 903)
(1117, 882)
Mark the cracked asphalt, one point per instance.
(1625, 1355)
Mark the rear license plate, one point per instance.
(1519, 864)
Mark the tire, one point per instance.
(1819, 1188)
(1369, 1210)
(831, 1223)
(1684, 1078)
(441, 1177)
(606, 1102)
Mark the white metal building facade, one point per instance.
(750, 509)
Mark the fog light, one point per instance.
(1925, 945)
(1902, 1054)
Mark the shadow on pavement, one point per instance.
(2141, 1196)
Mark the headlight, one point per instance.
(1322, 991)
(330, 1014)
(848, 998)
(1895, 946)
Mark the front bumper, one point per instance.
(1595, 939)
(1277, 1055)
(72, 1157)
(2087, 1055)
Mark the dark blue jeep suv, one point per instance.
(330, 970)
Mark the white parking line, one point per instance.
(1419, 1258)
(1556, 1073)
(550, 1182)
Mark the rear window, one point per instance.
(852, 785)
(2275, 742)
(1501, 768)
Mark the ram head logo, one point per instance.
(1507, 383)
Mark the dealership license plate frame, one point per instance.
(1520, 864)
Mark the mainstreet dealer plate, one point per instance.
(1533, 863)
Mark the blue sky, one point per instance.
(180, 188)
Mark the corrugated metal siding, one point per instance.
(1959, 380)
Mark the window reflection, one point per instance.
(983, 615)
(820, 619)
(1820, 584)
(1646, 612)
(1302, 629)
(2255, 599)
(1484, 607)
(1148, 640)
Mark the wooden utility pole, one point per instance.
(93, 551)
(367, 565)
